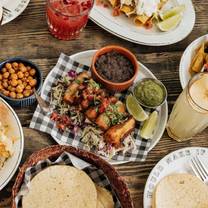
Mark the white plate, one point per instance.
(187, 58)
(15, 131)
(15, 6)
(125, 28)
(175, 162)
(85, 58)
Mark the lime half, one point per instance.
(149, 126)
(172, 12)
(170, 23)
(135, 109)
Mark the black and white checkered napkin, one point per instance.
(42, 122)
(97, 175)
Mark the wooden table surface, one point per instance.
(28, 36)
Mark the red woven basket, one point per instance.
(51, 152)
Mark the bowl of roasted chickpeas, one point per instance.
(19, 78)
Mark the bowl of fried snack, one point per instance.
(19, 78)
(194, 60)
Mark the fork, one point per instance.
(6, 11)
(199, 169)
(45, 106)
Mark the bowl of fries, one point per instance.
(194, 60)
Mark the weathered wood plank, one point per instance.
(32, 33)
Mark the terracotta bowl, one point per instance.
(106, 83)
(52, 152)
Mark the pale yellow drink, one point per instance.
(190, 112)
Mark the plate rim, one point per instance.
(161, 160)
(153, 43)
(114, 162)
(183, 58)
(21, 150)
(15, 16)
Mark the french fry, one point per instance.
(198, 60)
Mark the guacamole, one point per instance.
(149, 93)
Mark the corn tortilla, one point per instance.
(61, 186)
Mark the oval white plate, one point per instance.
(16, 7)
(15, 130)
(175, 162)
(187, 58)
(85, 58)
(124, 27)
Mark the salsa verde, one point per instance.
(149, 92)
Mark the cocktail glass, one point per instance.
(190, 112)
(67, 18)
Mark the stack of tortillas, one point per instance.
(62, 186)
(180, 191)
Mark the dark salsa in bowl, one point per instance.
(115, 67)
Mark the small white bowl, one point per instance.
(187, 58)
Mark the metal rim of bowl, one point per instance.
(19, 58)
(158, 82)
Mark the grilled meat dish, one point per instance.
(112, 114)
(115, 134)
(73, 87)
(107, 112)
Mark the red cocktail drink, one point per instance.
(66, 18)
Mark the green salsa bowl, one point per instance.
(150, 92)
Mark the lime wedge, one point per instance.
(170, 23)
(149, 126)
(135, 109)
(172, 12)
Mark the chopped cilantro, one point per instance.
(77, 81)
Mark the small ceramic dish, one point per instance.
(159, 83)
(26, 101)
(114, 86)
